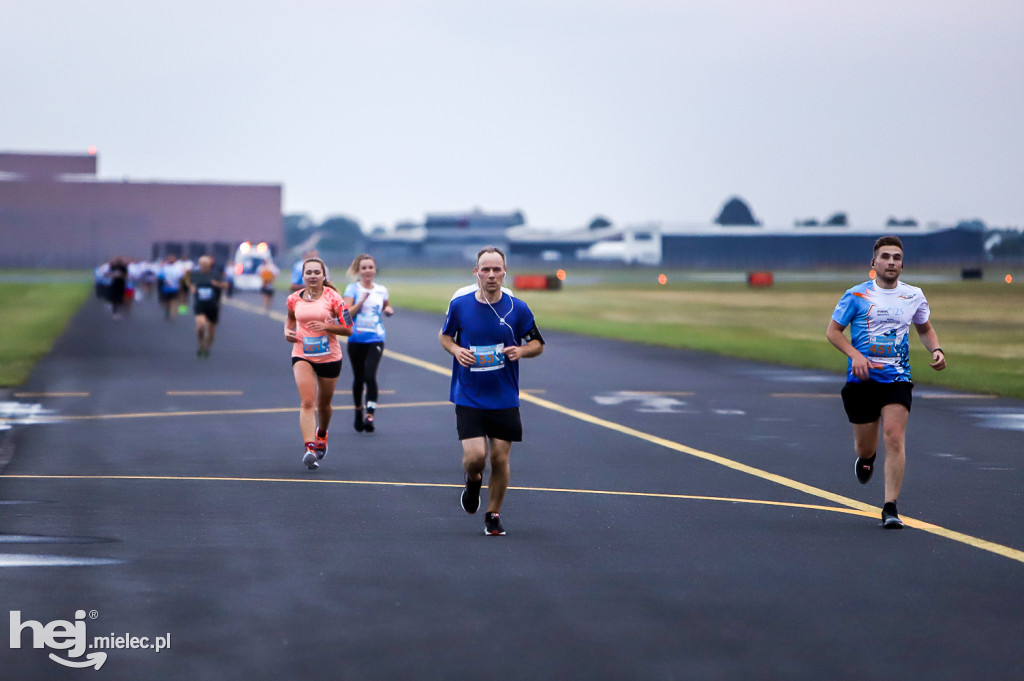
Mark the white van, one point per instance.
(249, 258)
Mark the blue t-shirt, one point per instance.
(879, 321)
(493, 382)
(297, 273)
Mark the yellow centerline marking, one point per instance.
(829, 396)
(922, 396)
(956, 396)
(560, 490)
(51, 394)
(191, 393)
(223, 412)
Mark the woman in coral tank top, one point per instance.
(317, 315)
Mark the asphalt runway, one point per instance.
(672, 515)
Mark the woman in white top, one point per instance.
(369, 303)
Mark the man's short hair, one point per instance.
(887, 241)
(491, 249)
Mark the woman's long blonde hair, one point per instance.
(353, 269)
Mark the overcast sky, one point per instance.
(637, 110)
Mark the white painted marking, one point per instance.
(22, 413)
(1000, 418)
(730, 412)
(651, 403)
(45, 539)
(27, 560)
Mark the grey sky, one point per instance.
(635, 109)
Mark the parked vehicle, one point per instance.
(249, 258)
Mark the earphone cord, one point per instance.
(501, 320)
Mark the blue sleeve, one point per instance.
(451, 321)
(845, 310)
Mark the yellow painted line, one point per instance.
(668, 393)
(922, 396)
(1005, 551)
(416, 362)
(955, 396)
(829, 396)
(558, 490)
(192, 393)
(229, 412)
(51, 394)
(258, 309)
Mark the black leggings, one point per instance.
(364, 358)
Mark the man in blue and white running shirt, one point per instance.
(488, 331)
(878, 383)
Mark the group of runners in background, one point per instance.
(173, 281)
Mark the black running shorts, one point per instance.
(321, 369)
(499, 424)
(209, 310)
(864, 400)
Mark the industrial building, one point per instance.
(691, 245)
(56, 212)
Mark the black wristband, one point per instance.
(938, 350)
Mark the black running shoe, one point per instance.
(471, 495)
(864, 468)
(890, 517)
(368, 423)
(492, 525)
(359, 421)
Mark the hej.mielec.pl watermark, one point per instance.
(71, 637)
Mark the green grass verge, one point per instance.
(980, 324)
(32, 316)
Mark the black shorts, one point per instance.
(864, 400)
(167, 296)
(499, 424)
(321, 369)
(208, 310)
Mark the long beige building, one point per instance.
(56, 212)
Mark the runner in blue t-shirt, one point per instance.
(369, 303)
(487, 332)
(878, 385)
